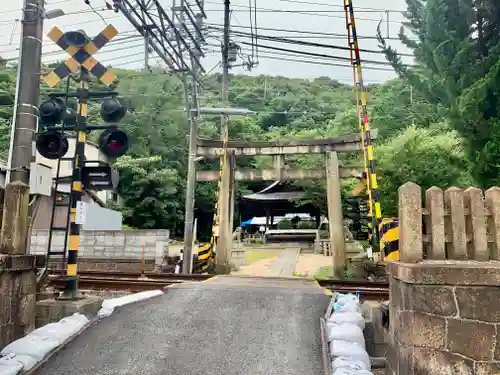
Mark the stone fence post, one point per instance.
(444, 290)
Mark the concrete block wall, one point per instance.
(110, 244)
(444, 292)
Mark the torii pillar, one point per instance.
(335, 219)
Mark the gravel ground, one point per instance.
(203, 329)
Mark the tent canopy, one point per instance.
(262, 220)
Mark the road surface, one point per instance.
(227, 326)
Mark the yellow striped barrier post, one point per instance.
(389, 238)
(80, 48)
(375, 211)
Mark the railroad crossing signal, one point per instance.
(100, 177)
(80, 48)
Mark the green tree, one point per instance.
(423, 156)
(457, 52)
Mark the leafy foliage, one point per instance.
(457, 50)
(419, 139)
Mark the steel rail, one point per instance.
(137, 282)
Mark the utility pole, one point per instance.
(223, 207)
(25, 119)
(146, 52)
(191, 105)
(27, 92)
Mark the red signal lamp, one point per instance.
(113, 143)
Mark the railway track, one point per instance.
(137, 282)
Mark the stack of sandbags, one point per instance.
(23, 354)
(344, 327)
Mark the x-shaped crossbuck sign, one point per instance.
(81, 57)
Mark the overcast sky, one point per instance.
(315, 17)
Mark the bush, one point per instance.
(285, 224)
(306, 224)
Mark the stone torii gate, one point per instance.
(209, 148)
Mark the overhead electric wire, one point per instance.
(308, 32)
(362, 9)
(124, 40)
(320, 55)
(299, 59)
(311, 44)
(96, 12)
(317, 13)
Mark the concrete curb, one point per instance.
(327, 363)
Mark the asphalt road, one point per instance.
(203, 329)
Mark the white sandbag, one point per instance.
(9, 365)
(77, 319)
(27, 361)
(347, 332)
(63, 329)
(343, 298)
(345, 371)
(349, 363)
(340, 348)
(347, 317)
(109, 305)
(34, 346)
(348, 306)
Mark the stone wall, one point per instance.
(110, 245)
(17, 297)
(444, 295)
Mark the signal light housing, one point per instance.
(70, 117)
(51, 112)
(113, 110)
(52, 145)
(76, 39)
(113, 143)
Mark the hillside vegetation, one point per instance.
(154, 170)
(448, 136)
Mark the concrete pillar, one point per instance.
(223, 218)
(17, 269)
(15, 219)
(232, 195)
(279, 165)
(335, 219)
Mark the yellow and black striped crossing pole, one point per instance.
(375, 210)
(71, 288)
(81, 48)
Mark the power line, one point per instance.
(322, 60)
(311, 44)
(124, 40)
(112, 42)
(308, 32)
(317, 13)
(363, 9)
(320, 55)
